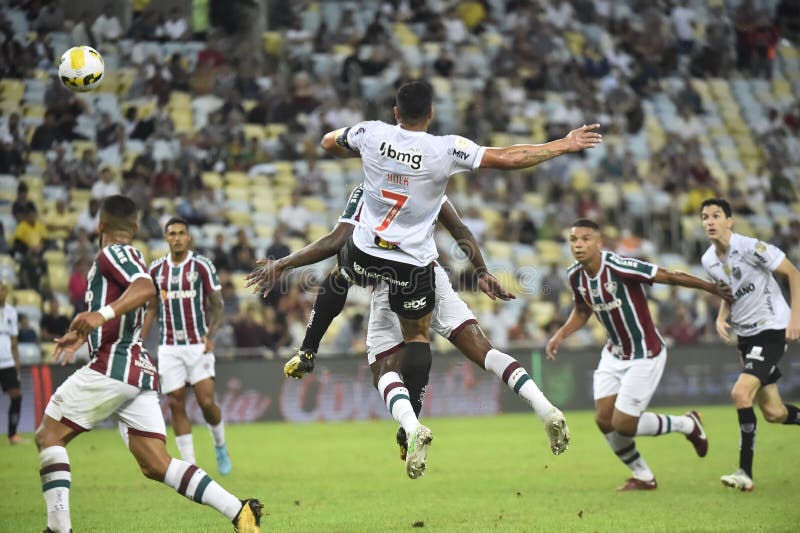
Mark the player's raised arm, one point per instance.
(578, 317)
(267, 272)
(786, 268)
(490, 285)
(335, 143)
(527, 155)
(682, 279)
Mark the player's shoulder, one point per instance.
(203, 260)
(709, 257)
(155, 263)
(122, 251)
(619, 261)
(574, 268)
(366, 126)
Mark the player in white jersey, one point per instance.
(761, 319)
(406, 171)
(9, 362)
(451, 318)
(119, 382)
(189, 310)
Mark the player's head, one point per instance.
(119, 216)
(414, 103)
(716, 216)
(176, 233)
(585, 240)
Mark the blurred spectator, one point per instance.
(680, 329)
(58, 222)
(81, 248)
(106, 186)
(553, 284)
(349, 339)
(53, 324)
(277, 248)
(78, 284)
(31, 233)
(243, 256)
(276, 330)
(295, 217)
(684, 21)
(230, 300)
(175, 27)
(46, 133)
(219, 254)
(26, 332)
(82, 30)
(89, 218)
(106, 27)
(247, 331)
(32, 269)
(22, 203)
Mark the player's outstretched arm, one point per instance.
(335, 143)
(786, 268)
(137, 293)
(682, 279)
(527, 155)
(578, 318)
(449, 218)
(267, 272)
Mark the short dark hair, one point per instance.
(119, 213)
(414, 100)
(586, 223)
(175, 220)
(719, 202)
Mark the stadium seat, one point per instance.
(59, 277)
(27, 297)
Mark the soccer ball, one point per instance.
(81, 69)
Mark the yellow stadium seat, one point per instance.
(314, 204)
(28, 297)
(235, 192)
(55, 257)
(238, 218)
(212, 180)
(254, 131)
(273, 42)
(237, 179)
(59, 277)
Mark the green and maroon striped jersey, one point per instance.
(182, 291)
(116, 346)
(618, 300)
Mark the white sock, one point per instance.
(395, 395)
(195, 484)
(186, 447)
(625, 448)
(56, 478)
(652, 424)
(218, 433)
(514, 375)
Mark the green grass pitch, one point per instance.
(484, 474)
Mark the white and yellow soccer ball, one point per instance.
(81, 69)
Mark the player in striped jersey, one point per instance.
(762, 321)
(189, 310)
(120, 381)
(633, 359)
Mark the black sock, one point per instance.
(13, 415)
(747, 442)
(416, 368)
(330, 301)
(794, 415)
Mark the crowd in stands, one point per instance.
(695, 99)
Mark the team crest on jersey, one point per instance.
(726, 269)
(160, 279)
(611, 287)
(582, 290)
(737, 273)
(174, 279)
(761, 247)
(191, 276)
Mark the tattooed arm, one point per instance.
(527, 155)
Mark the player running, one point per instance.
(406, 171)
(120, 381)
(762, 321)
(189, 310)
(633, 359)
(451, 318)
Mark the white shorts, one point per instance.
(633, 381)
(88, 397)
(450, 315)
(179, 365)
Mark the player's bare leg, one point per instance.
(52, 438)
(181, 424)
(204, 392)
(192, 482)
(472, 342)
(619, 430)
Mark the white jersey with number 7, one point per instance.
(406, 174)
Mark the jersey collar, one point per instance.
(171, 264)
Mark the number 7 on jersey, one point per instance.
(399, 201)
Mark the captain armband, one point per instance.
(341, 138)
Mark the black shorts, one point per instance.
(760, 354)
(9, 379)
(412, 289)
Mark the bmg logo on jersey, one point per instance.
(414, 305)
(412, 157)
